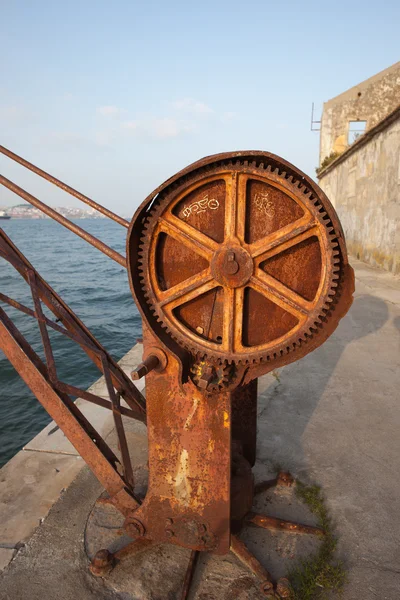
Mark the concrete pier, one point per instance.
(332, 418)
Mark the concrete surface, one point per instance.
(332, 418)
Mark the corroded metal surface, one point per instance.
(114, 473)
(50, 212)
(194, 556)
(281, 524)
(105, 211)
(238, 265)
(189, 432)
(239, 260)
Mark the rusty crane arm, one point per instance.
(50, 212)
(116, 474)
(64, 186)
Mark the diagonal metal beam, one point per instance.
(50, 212)
(64, 186)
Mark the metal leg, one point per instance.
(282, 588)
(283, 479)
(241, 551)
(189, 574)
(281, 524)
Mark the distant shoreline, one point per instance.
(42, 218)
(26, 211)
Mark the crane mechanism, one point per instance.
(238, 265)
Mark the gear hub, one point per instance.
(232, 266)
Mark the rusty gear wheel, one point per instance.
(239, 259)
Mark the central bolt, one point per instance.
(232, 266)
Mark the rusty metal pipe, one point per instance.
(105, 211)
(63, 221)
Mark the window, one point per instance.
(356, 128)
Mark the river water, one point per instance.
(97, 290)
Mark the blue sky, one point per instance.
(114, 97)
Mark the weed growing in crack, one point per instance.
(315, 577)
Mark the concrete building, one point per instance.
(360, 166)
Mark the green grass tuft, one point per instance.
(313, 578)
(275, 373)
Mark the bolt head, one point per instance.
(102, 558)
(134, 528)
(285, 479)
(102, 563)
(283, 588)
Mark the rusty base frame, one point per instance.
(196, 444)
(105, 561)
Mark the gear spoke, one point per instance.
(241, 207)
(235, 205)
(233, 319)
(192, 238)
(281, 295)
(229, 311)
(230, 205)
(185, 287)
(294, 241)
(192, 292)
(284, 238)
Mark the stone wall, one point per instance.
(370, 101)
(364, 187)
